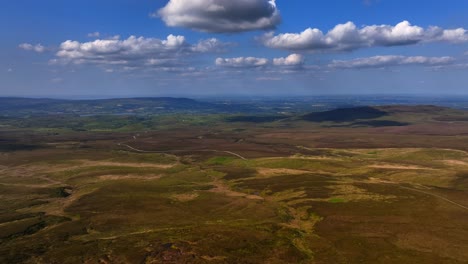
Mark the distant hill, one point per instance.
(425, 109)
(124, 106)
(13, 103)
(345, 114)
(387, 115)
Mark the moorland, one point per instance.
(185, 181)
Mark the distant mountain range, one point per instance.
(319, 109)
(125, 106)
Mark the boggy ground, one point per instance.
(271, 193)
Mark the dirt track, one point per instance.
(174, 151)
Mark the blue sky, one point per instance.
(121, 48)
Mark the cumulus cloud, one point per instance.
(30, 47)
(389, 61)
(210, 45)
(134, 51)
(242, 62)
(459, 35)
(221, 16)
(347, 37)
(293, 60)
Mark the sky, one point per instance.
(133, 48)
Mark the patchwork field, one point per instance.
(236, 193)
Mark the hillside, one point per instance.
(345, 114)
(387, 115)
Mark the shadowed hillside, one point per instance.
(408, 109)
(345, 114)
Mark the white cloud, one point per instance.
(134, 51)
(345, 37)
(389, 61)
(30, 47)
(242, 62)
(459, 35)
(293, 60)
(9, 70)
(210, 45)
(94, 35)
(159, 62)
(221, 16)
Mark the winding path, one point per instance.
(435, 195)
(172, 151)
